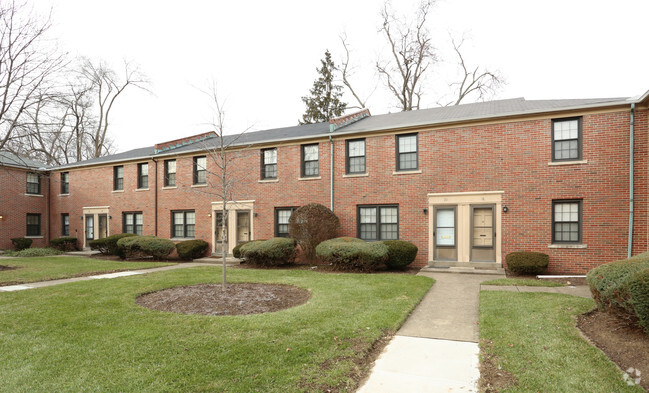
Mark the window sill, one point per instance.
(198, 185)
(268, 181)
(141, 189)
(169, 188)
(309, 178)
(180, 239)
(561, 163)
(356, 175)
(64, 195)
(118, 191)
(33, 237)
(406, 172)
(576, 246)
(34, 195)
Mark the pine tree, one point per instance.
(324, 102)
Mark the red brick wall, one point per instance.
(511, 157)
(15, 204)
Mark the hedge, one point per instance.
(35, 252)
(137, 246)
(400, 253)
(66, 243)
(108, 245)
(527, 262)
(352, 254)
(623, 286)
(191, 249)
(21, 243)
(236, 251)
(272, 252)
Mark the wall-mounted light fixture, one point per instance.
(209, 214)
(110, 217)
(505, 209)
(2, 217)
(81, 218)
(425, 211)
(254, 214)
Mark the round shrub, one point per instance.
(236, 251)
(192, 249)
(21, 243)
(156, 247)
(64, 243)
(400, 253)
(312, 224)
(352, 254)
(108, 245)
(638, 290)
(35, 252)
(272, 252)
(527, 262)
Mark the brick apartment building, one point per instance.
(467, 184)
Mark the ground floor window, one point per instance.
(183, 223)
(378, 222)
(282, 214)
(65, 224)
(132, 223)
(566, 221)
(33, 224)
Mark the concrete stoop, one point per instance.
(496, 271)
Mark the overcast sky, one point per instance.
(264, 54)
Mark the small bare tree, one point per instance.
(346, 72)
(26, 66)
(412, 53)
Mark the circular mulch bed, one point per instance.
(237, 299)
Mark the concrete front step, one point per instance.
(464, 270)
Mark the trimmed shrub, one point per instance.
(623, 286)
(127, 247)
(191, 249)
(156, 247)
(35, 252)
(21, 243)
(312, 224)
(272, 252)
(236, 251)
(108, 245)
(527, 262)
(64, 243)
(352, 254)
(400, 253)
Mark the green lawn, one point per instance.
(527, 282)
(535, 338)
(52, 268)
(93, 337)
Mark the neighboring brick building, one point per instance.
(23, 200)
(467, 184)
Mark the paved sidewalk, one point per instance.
(41, 284)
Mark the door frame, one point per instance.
(95, 212)
(435, 209)
(232, 207)
(494, 233)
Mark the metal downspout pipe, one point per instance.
(631, 181)
(331, 170)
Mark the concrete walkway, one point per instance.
(41, 284)
(436, 350)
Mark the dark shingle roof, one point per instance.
(10, 159)
(433, 116)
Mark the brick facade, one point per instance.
(511, 155)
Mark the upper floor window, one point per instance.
(33, 224)
(310, 163)
(183, 223)
(269, 163)
(378, 222)
(65, 182)
(118, 178)
(65, 224)
(33, 183)
(200, 170)
(143, 175)
(170, 173)
(355, 162)
(566, 139)
(407, 152)
(566, 221)
(282, 215)
(132, 223)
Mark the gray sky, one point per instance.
(263, 54)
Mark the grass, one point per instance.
(52, 268)
(535, 339)
(527, 282)
(93, 337)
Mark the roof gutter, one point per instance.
(631, 180)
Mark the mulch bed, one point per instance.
(236, 299)
(621, 339)
(493, 379)
(3, 267)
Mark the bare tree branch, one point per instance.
(346, 73)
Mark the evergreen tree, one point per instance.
(324, 102)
